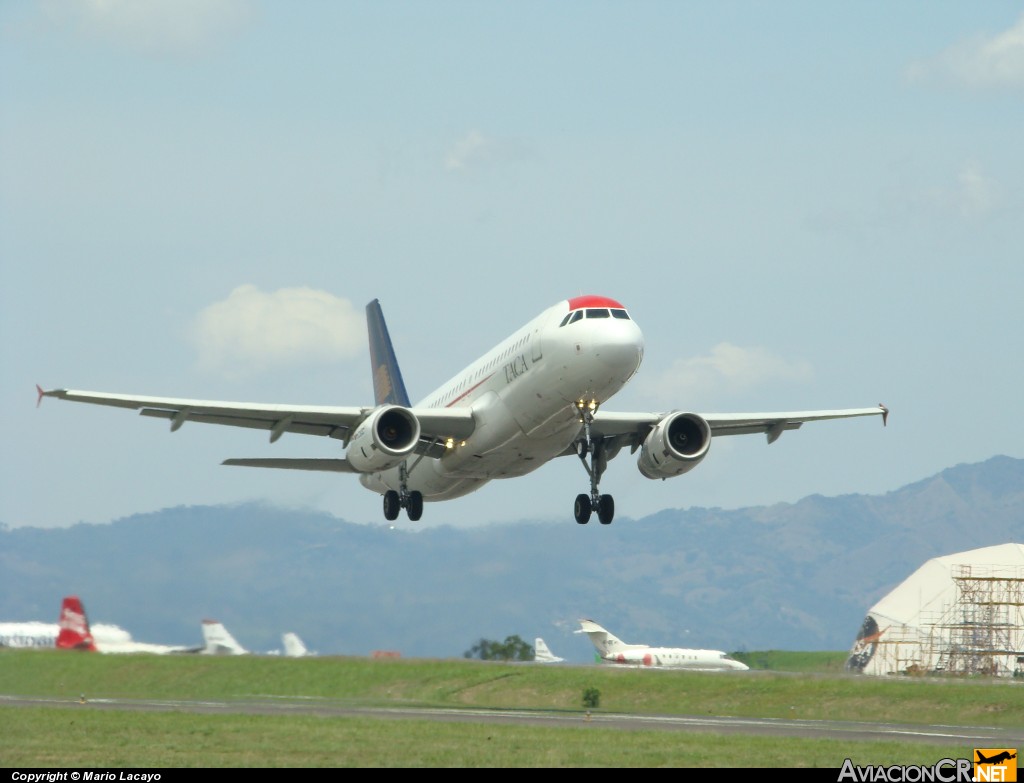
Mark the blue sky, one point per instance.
(803, 205)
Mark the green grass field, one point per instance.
(788, 685)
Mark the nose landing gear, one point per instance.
(588, 446)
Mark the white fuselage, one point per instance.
(676, 658)
(522, 394)
(29, 634)
(108, 638)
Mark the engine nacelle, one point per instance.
(383, 439)
(675, 446)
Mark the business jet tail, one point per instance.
(604, 642)
(542, 653)
(219, 641)
(74, 631)
(293, 646)
(388, 387)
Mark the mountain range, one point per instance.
(791, 576)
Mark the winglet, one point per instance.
(41, 393)
(885, 413)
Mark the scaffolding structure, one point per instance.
(980, 632)
(984, 627)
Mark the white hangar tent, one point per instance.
(957, 614)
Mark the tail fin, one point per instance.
(388, 387)
(542, 653)
(219, 641)
(605, 643)
(293, 646)
(74, 626)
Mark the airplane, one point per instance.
(73, 632)
(293, 646)
(542, 653)
(218, 641)
(70, 632)
(611, 649)
(29, 633)
(535, 396)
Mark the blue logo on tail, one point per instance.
(388, 387)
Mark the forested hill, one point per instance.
(795, 576)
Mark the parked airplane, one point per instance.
(613, 650)
(542, 653)
(535, 396)
(73, 632)
(218, 641)
(29, 633)
(70, 632)
(293, 646)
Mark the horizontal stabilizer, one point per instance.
(332, 465)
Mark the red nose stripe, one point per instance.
(593, 301)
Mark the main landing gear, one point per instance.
(412, 502)
(586, 446)
(394, 501)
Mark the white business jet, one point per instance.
(612, 649)
(535, 396)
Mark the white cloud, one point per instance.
(977, 193)
(972, 195)
(728, 369)
(475, 150)
(977, 62)
(252, 331)
(152, 26)
(472, 148)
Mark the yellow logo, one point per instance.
(995, 764)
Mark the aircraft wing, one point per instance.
(331, 421)
(630, 429)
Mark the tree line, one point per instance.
(512, 649)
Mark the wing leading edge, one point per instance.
(337, 422)
(630, 429)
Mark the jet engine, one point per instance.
(675, 446)
(383, 439)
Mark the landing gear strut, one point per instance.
(587, 446)
(412, 502)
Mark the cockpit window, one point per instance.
(594, 312)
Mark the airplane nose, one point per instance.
(621, 349)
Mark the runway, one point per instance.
(809, 729)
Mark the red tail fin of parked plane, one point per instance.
(74, 626)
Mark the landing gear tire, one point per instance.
(599, 448)
(415, 506)
(582, 508)
(392, 505)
